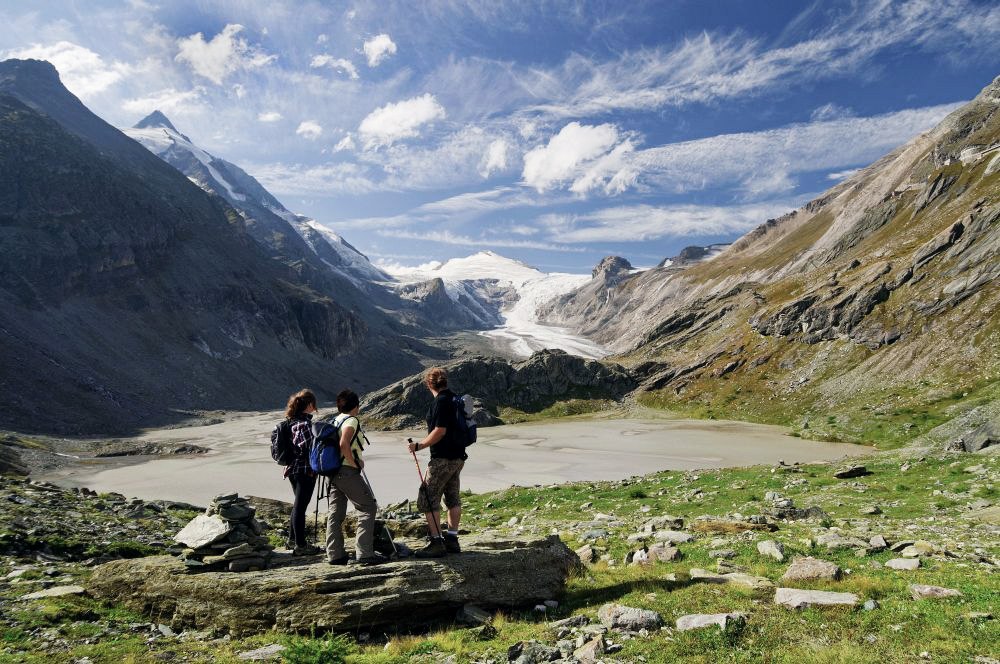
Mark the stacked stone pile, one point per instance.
(226, 537)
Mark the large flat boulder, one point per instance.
(297, 595)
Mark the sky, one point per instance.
(552, 132)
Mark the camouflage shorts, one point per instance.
(442, 478)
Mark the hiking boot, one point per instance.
(343, 560)
(451, 544)
(434, 549)
(374, 559)
(306, 550)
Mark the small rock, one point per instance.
(871, 509)
(586, 554)
(772, 549)
(590, 652)
(56, 591)
(720, 620)
(870, 605)
(672, 536)
(664, 554)
(532, 652)
(917, 549)
(851, 471)
(722, 553)
(903, 564)
(809, 568)
(877, 543)
(616, 616)
(921, 591)
(470, 614)
(795, 598)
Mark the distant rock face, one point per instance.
(295, 596)
(612, 269)
(530, 385)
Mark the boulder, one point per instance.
(920, 591)
(720, 620)
(295, 595)
(985, 436)
(630, 619)
(809, 569)
(591, 651)
(727, 527)
(661, 522)
(795, 598)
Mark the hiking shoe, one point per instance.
(343, 560)
(306, 550)
(374, 559)
(451, 544)
(434, 549)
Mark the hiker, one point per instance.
(299, 412)
(444, 469)
(349, 483)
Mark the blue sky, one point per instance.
(552, 132)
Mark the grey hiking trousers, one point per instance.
(348, 484)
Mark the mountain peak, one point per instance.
(28, 69)
(154, 120)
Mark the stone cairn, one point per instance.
(226, 537)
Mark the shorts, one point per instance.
(442, 478)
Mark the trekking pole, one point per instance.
(423, 487)
(388, 532)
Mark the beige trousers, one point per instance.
(348, 484)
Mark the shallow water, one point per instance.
(522, 454)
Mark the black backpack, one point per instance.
(282, 449)
(463, 416)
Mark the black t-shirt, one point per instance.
(442, 414)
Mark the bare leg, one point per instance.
(454, 517)
(433, 519)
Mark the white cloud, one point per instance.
(240, 91)
(830, 111)
(309, 130)
(346, 143)
(337, 64)
(642, 223)
(378, 48)
(269, 116)
(169, 100)
(83, 71)
(561, 159)
(447, 237)
(763, 162)
(322, 180)
(495, 159)
(224, 54)
(393, 122)
(842, 175)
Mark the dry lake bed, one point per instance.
(522, 454)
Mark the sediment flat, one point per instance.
(520, 454)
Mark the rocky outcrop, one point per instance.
(530, 385)
(297, 596)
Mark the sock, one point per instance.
(453, 532)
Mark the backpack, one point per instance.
(463, 415)
(324, 455)
(282, 449)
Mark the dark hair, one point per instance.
(436, 377)
(298, 402)
(347, 401)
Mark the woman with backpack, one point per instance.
(298, 414)
(349, 484)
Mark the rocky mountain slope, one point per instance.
(879, 297)
(128, 292)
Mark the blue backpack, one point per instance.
(324, 455)
(463, 415)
